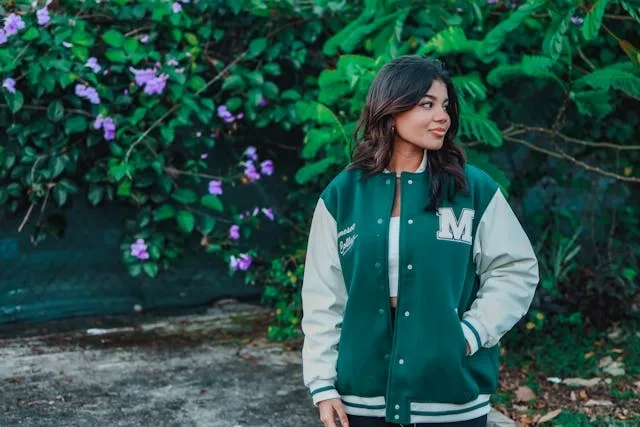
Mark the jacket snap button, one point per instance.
(410, 267)
(397, 406)
(410, 221)
(379, 220)
(401, 361)
(410, 181)
(406, 314)
(397, 417)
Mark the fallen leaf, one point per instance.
(548, 417)
(573, 396)
(618, 350)
(605, 361)
(637, 384)
(524, 394)
(589, 355)
(616, 369)
(595, 402)
(583, 395)
(554, 380)
(581, 382)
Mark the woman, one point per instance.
(416, 267)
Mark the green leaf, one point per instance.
(212, 202)
(478, 126)
(315, 139)
(31, 34)
(184, 195)
(124, 188)
(471, 85)
(131, 46)
(593, 20)
(95, 194)
(196, 83)
(60, 194)
(634, 11)
(557, 35)
(448, 41)
(596, 103)
(311, 171)
(611, 78)
(186, 221)
(113, 38)
(531, 66)
(257, 46)
(55, 111)
(232, 82)
(76, 124)
(58, 164)
(163, 212)
(206, 224)
(116, 55)
(15, 101)
(151, 268)
(498, 34)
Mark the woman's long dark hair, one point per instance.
(399, 86)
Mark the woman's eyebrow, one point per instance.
(435, 98)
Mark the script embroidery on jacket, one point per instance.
(347, 244)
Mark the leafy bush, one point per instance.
(166, 107)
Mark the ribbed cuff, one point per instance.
(472, 335)
(323, 390)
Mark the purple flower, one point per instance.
(92, 95)
(243, 262)
(251, 172)
(224, 114)
(204, 155)
(144, 39)
(107, 124)
(576, 20)
(266, 167)
(87, 92)
(172, 62)
(256, 211)
(9, 84)
(143, 76)
(156, 85)
(239, 116)
(215, 188)
(251, 152)
(3, 36)
(263, 102)
(268, 212)
(98, 123)
(139, 249)
(109, 129)
(176, 7)
(43, 16)
(234, 232)
(93, 64)
(198, 134)
(13, 24)
(492, 1)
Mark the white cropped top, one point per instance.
(394, 237)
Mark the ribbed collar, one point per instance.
(421, 168)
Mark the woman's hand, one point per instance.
(329, 409)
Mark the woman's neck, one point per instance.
(405, 158)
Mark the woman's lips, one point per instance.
(438, 132)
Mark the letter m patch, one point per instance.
(452, 228)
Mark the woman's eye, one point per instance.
(427, 104)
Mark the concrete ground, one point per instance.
(212, 368)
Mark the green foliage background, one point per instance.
(550, 92)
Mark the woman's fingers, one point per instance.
(326, 414)
(342, 416)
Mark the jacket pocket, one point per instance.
(444, 375)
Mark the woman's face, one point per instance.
(426, 124)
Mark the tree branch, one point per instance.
(573, 160)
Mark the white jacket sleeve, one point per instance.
(508, 271)
(324, 297)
